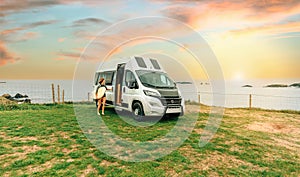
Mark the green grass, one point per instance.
(46, 140)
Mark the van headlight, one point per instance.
(151, 93)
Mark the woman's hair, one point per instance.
(101, 80)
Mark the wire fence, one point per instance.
(47, 92)
(250, 101)
(42, 92)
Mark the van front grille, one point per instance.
(170, 101)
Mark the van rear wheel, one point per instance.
(137, 111)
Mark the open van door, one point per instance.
(119, 84)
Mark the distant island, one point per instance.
(184, 82)
(2, 82)
(247, 86)
(277, 85)
(295, 85)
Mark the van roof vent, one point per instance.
(155, 64)
(140, 61)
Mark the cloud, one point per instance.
(214, 14)
(19, 34)
(11, 31)
(61, 39)
(88, 22)
(273, 29)
(40, 23)
(72, 55)
(8, 6)
(13, 6)
(6, 56)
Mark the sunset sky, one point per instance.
(252, 39)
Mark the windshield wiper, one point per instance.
(147, 84)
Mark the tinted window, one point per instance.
(129, 77)
(140, 61)
(108, 76)
(155, 64)
(155, 79)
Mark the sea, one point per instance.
(231, 94)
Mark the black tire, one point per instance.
(137, 111)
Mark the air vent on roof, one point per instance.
(155, 64)
(140, 61)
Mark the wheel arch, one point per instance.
(136, 101)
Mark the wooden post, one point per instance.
(58, 94)
(250, 101)
(53, 94)
(63, 96)
(199, 98)
(88, 96)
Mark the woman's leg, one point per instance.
(103, 102)
(99, 105)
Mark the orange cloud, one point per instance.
(5, 55)
(11, 31)
(269, 29)
(61, 39)
(205, 15)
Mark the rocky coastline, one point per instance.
(18, 98)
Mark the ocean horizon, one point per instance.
(281, 98)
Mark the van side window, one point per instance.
(129, 77)
(108, 76)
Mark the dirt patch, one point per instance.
(66, 151)
(273, 127)
(287, 144)
(19, 155)
(42, 167)
(88, 170)
(64, 135)
(107, 163)
(213, 160)
(192, 108)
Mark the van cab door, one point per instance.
(129, 89)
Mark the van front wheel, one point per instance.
(138, 112)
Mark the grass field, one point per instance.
(46, 140)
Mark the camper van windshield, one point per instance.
(155, 79)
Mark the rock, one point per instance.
(18, 98)
(27, 101)
(4, 100)
(295, 85)
(277, 85)
(18, 95)
(7, 96)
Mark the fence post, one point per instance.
(199, 98)
(88, 96)
(53, 94)
(58, 94)
(250, 101)
(63, 96)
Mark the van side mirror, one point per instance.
(132, 85)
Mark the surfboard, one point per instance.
(100, 92)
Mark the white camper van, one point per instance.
(141, 86)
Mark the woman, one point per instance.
(101, 101)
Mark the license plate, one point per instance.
(173, 110)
